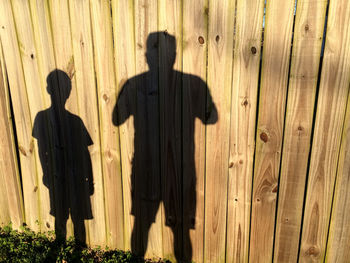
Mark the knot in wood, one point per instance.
(105, 97)
(253, 50)
(217, 38)
(231, 165)
(201, 40)
(274, 190)
(245, 103)
(264, 137)
(22, 150)
(313, 251)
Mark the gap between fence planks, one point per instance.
(102, 44)
(106, 93)
(305, 60)
(331, 106)
(80, 23)
(124, 56)
(338, 245)
(220, 53)
(269, 134)
(11, 203)
(22, 115)
(245, 78)
(195, 28)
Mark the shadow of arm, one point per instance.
(121, 111)
(211, 114)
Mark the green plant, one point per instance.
(27, 246)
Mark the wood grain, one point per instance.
(308, 35)
(195, 26)
(11, 203)
(124, 59)
(220, 53)
(269, 134)
(86, 91)
(37, 95)
(107, 92)
(246, 63)
(331, 106)
(22, 114)
(338, 245)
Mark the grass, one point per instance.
(27, 246)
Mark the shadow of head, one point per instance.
(59, 86)
(161, 50)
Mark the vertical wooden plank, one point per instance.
(7, 158)
(22, 114)
(170, 22)
(5, 217)
(331, 106)
(338, 245)
(124, 59)
(220, 54)
(245, 77)
(10, 187)
(107, 92)
(146, 22)
(63, 49)
(88, 109)
(43, 41)
(37, 95)
(195, 28)
(308, 33)
(62, 42)
(274, 77)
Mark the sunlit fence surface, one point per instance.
(204, 130)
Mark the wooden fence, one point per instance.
(272, 169)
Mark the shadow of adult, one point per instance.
(63, 144)
(164, 104)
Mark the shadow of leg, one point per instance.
(79, 230)
(187, 245)
(144, 218)
(60, 227)
(139, 236)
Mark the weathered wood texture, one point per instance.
(220, 53)
(11, 204)
(244, 142)
(195, 19)
(269, 132)
(331, 108)
(245, 78)
(305, 60)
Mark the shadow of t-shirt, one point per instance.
(67, 171)
(164, 138)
